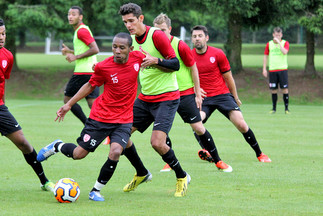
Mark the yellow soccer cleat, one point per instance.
(137, 180)
(181, 186)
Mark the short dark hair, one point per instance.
(278, 30)
(1, 22)
(200, 27)
(130, 8)
(78, 8)
(125, 36)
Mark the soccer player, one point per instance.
(159, 97)
(191, 96)
(276, 53)
(84, 55)
(111, 113)
(9, 126)
(221, 93)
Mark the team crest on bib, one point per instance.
(4, 63)
(136, 66)
(212, 59)
(86, 137)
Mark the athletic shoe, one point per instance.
(95, 196)
(272, 111)
(48, 186)
(107, 141)
(264, 158)
(223, 166)
(287, 111)
(47, 151)
(137, 180)
(166, 168)
(205, 155)
(181, 186)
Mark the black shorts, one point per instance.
(8, 123)
(280, 77)
(95, 132)
(76, 82)
(161, 113)
(224, 103)
(188, 110)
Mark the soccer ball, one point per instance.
(66, 190)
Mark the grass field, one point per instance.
(290, 185)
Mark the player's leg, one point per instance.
(236, 117)
(30, 156)
(284, 88)
(273, 85)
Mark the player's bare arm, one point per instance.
(228, 78)
(282, 48)
(264, 66)
(94, 49)
(197, 88)
(66, 50)
(86, 89)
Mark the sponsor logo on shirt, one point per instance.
(4, 63)
(212, 59)
(136, 66)
(86, 137)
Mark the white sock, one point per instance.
(98, 186)
(60, 146)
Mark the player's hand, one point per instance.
(203, 93)
(276, 40)
(65, 49)
(199, 101)
(93, 66)
(148, 60)
(62, 112)
(70, 57)
(238, 102)
(264, 73)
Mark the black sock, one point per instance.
(198, 140)
(209, 145)
(106, 172)
(274, 100)
(172, 161)
(67, 149)
(168, 142)
(78, 112)
(286, 99)
(251, 139)
(31, 159)
(133, 157)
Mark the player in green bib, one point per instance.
(159, 98)
(276, 54)
(84, 56)
(191, 96)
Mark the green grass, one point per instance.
(290, 185)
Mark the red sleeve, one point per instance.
(84, 35)
(10, 64)
(185, 54)
(163, 45)
(267, 49)
(223, 62)
(97, 78)
(286, 46)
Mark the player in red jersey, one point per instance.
(84, 56)
(221, 93)
(9, 126)
(159, 97)
(111, 114)
(191, 94)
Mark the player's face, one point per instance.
(121, 50)
(164, 28)
(277, 35)
(2, 36)
(74, 17)
(199, 39)
(133, 24)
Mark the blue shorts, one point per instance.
(161, 113)
(188, 109)
(76, 82)
(8, 123)
(94, 132)
(224, 103)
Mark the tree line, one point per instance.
(50, 16)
